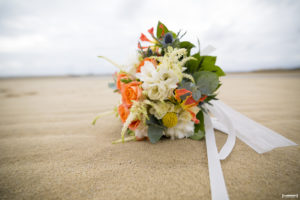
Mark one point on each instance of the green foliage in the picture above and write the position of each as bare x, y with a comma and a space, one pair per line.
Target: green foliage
199, 130
200, 63
203, 63
187, 45
155, 129
207, 82
159, 31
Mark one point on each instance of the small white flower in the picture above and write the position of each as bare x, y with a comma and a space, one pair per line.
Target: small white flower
160, 109
184, 127
181, 130
159, 83
141, 131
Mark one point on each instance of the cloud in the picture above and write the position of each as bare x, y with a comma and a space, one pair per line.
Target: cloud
65, 37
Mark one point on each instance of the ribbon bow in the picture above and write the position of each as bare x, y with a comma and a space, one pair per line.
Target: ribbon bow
233, 123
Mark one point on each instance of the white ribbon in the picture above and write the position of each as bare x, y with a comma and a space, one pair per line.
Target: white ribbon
227, 120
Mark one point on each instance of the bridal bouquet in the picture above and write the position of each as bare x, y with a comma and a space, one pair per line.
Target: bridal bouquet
163, 93
171, 92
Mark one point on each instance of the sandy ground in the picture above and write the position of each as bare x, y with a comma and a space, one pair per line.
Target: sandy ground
50, 150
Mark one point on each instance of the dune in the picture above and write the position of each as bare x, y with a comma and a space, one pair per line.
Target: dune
50, 150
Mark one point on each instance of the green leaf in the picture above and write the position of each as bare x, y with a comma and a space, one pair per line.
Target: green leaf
196, 93
219, 85
186, 85
192, 65
197, 56
153, 121
155, 129
126, 80
214, 69
196, 75
200, 126
208, 64
198, 135
208, 61
187, 45
218, 71
208, 99
199, 130
207, 82
159, 30
155, 133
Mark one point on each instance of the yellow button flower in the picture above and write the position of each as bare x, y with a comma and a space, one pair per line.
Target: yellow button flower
170, 119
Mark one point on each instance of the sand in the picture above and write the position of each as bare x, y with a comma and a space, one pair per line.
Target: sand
50, 150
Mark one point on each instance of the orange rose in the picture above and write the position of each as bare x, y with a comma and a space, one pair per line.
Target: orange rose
138, 70
134, 125
131, 91
124, 112
119, 82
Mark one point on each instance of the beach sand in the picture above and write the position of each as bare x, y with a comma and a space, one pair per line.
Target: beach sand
50, 150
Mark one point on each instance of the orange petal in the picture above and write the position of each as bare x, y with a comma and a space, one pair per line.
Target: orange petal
180, 92
134, 125
140, 46
138, 69
190, 101
202, 99
144, 38
151, 31
194, 118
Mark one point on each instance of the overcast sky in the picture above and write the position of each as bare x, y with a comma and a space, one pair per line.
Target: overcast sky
64, 37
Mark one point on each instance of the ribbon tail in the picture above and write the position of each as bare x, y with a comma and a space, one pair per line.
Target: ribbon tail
219, 126
217, 183
225, 120
255, 135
